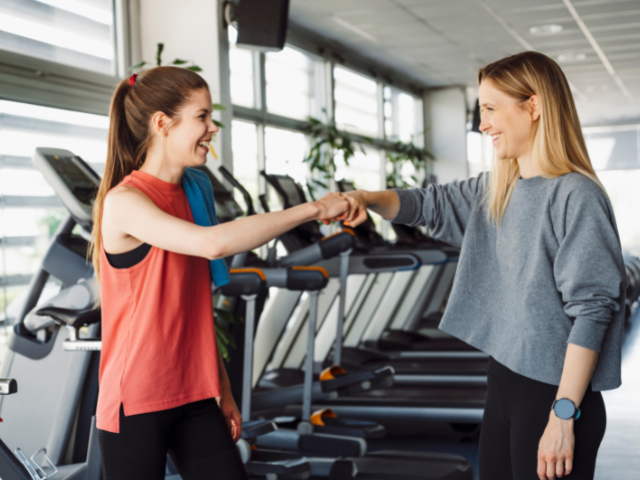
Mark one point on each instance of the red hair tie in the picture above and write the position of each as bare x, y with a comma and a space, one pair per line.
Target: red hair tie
132, 79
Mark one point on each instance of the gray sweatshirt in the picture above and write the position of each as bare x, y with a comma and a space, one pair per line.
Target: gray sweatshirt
552, 273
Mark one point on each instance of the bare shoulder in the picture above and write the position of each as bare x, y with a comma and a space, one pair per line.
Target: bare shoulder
124, 198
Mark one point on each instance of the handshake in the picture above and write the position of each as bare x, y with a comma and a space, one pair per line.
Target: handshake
350, 207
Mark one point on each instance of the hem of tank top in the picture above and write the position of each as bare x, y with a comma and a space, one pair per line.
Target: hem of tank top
132, 267
168, 404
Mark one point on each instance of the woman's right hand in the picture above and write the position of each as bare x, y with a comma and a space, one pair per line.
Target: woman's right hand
332, 207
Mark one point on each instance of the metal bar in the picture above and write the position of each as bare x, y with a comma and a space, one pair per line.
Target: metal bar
249, 323
15, 161
18, 242
344, 272
308, 374
15, 201
15, 280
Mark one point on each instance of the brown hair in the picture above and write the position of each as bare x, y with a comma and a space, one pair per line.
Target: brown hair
558, 146
160, 89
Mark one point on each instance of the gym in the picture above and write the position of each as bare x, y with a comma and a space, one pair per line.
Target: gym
340, 239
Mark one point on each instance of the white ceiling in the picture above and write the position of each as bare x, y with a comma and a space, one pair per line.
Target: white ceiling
444, 42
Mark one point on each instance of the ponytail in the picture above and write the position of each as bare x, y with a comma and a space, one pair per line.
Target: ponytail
135, 101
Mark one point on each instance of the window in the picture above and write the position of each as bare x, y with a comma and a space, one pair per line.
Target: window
289, 84
71, 32
241, 66
615, 155
479, 159
284, 152
364, 171
403, 116
29, 209
356, 102
245, 159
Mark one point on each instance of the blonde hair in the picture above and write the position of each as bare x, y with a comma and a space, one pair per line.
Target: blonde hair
558, 144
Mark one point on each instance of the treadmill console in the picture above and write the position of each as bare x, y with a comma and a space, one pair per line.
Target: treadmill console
290, 188
74, 182
345, 186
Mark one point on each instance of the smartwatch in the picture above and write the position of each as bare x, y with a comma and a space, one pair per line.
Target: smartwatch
565, 409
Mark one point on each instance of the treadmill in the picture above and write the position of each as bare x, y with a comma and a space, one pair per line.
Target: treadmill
417, 297
458, 405
370, 298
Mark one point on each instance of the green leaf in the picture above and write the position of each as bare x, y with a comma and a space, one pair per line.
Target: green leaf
138, 65
177, 61
227, 316
223, 349
217, 106
194, 68
159, 54
218, 123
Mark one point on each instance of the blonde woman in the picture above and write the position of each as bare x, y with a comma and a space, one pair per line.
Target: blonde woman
541, 279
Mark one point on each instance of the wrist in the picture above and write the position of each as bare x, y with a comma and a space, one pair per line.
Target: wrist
315, 211
566, 425
366, 198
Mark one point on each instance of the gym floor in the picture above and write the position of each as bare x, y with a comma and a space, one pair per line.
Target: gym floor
619, 455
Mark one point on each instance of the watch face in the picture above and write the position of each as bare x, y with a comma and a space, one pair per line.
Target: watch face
564, 409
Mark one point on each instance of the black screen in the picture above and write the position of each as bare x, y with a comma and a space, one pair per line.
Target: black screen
82, 187
289, 187
262, 23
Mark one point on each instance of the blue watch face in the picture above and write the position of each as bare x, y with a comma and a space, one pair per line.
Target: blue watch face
564, 409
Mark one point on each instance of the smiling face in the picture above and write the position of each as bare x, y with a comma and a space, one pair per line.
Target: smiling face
188, 137
508, 121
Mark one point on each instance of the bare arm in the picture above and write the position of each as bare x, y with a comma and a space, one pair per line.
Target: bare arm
129, 215
385, 203
227, 403
579, 365
556, 449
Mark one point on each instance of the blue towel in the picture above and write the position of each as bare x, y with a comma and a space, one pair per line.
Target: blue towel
199, 192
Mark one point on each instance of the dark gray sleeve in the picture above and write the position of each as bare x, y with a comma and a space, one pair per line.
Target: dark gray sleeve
589, 268
444, 209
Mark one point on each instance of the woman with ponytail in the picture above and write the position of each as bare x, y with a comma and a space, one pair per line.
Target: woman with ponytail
163, 386
541, 280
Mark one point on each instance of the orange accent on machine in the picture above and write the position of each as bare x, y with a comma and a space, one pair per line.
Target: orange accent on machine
319, 269
249, 270
316, 417
332, 372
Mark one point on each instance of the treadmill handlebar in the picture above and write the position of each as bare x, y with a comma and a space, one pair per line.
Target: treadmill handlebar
245, 194
244, 281
308, 279
335, 244
252, 281
329, 247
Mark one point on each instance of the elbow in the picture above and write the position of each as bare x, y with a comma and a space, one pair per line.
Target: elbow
215, 252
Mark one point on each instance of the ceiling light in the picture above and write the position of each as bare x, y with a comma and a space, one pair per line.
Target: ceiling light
571, 57
545, 29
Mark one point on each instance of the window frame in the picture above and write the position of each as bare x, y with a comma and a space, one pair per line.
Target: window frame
38, 81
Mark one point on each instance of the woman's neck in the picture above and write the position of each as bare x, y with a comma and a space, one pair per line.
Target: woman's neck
527, 167
158, 165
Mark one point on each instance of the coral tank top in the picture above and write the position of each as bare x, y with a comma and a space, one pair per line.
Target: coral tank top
158, 339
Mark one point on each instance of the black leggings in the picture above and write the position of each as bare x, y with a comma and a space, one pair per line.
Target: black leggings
195, 435
515, 417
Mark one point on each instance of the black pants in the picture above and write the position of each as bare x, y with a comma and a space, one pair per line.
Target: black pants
196, 436
515, 417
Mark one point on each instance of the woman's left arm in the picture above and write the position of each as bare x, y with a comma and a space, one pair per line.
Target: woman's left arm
589, 273
227, 403
555, 452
